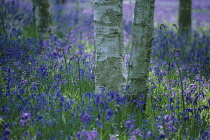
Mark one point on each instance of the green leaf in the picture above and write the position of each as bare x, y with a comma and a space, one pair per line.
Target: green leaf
64, 119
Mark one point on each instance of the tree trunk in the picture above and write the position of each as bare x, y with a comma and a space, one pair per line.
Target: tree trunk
60, 1
185, 8
42, 16
143, 28
110, 70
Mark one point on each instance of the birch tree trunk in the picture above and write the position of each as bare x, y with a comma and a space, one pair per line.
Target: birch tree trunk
143, 28
110, 67
42, 16
185, 8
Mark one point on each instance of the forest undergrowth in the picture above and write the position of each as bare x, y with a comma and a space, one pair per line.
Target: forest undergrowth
47, 85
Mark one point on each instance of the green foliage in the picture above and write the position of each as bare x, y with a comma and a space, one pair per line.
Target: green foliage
59, 100
29, 31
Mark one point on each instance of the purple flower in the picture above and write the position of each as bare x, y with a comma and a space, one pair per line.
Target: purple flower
43, 71
85, 118
162, 135
25, 118
129, 124
38, 134
186, 118
112, 96
206, 135
99, 124
87, 135
171, 100
167, 118
137, 132
7, 132
149, 134
103, 89
27, 134
205, 107
127, 88
109, 114
189, 110
113, 137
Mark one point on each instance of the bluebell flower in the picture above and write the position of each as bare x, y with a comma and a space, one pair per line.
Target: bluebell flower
189, 110
113, 96
68, 138
7, 132
27, 134
103, 89
98, 123
38, 134
130, 124
137, 132
161, 135
186, 118
205, 107
167, 118
85, 118
113, 137
148, 134
206, 135
43, 71
127, 88
52, 122
109, 114
87, 135
5, 108
25, 118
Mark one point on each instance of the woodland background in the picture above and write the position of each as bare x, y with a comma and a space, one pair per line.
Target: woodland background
47, 85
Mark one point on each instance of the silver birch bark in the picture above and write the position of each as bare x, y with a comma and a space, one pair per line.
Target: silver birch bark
42, 16
143, 28
110, 67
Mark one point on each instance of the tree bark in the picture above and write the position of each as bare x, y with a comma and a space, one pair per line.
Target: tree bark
110, 69
60, 1
42, 16
143, 28
185, 8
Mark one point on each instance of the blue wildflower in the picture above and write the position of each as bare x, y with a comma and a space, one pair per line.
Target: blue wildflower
25, 118
87, 135
109, 114
85, 118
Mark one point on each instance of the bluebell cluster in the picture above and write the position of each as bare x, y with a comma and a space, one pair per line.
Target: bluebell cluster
47, 85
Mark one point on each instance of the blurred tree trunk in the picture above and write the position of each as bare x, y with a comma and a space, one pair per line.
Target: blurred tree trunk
185, 8
42, 16
60, 1
143, 28
109, 48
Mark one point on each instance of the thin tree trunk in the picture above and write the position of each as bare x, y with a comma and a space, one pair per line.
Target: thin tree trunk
143, 28
42, 16
60, 1
185, 8
109, 49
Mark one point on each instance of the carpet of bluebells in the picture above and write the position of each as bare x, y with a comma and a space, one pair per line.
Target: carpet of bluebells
47, 85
